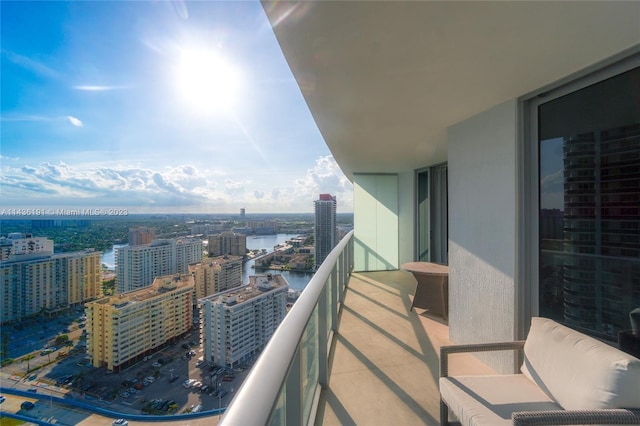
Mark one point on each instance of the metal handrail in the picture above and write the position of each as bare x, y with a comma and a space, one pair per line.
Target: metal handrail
256, 399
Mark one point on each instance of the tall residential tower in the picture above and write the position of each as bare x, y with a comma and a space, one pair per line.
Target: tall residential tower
137, 266
325, 226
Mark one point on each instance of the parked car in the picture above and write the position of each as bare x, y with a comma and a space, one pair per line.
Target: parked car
156, 364
120, 422
27, 405
2, 399
188, 383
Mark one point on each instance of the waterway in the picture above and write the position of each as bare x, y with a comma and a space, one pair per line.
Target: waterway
297, 280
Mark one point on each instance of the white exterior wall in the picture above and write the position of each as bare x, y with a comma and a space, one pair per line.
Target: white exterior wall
482, 230
234, 332
375, 220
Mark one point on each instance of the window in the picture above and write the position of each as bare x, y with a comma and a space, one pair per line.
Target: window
432, 214
588, 188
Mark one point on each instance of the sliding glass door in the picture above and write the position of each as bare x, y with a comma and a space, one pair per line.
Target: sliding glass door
588, 143
431, 215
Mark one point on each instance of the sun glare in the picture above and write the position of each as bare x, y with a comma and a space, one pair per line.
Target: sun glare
207, 81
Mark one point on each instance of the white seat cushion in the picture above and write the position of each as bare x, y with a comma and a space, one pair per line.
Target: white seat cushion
578, 371
490, 400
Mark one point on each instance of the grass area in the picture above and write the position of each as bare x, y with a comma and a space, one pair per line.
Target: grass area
6, 421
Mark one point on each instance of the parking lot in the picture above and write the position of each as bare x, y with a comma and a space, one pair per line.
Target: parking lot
155, 385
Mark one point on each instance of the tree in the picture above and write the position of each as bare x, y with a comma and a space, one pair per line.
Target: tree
28, 358
62, 339
4, 348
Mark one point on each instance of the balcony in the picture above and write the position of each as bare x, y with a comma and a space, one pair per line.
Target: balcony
365, 359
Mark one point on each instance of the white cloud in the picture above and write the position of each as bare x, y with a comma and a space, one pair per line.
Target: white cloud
75, 121
99, 88
184, 188
31, 65
5, 158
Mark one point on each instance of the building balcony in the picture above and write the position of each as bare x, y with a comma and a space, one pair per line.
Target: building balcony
384, 364
351, 351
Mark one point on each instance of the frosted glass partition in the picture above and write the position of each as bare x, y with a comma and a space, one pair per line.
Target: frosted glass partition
375, 217
284, 385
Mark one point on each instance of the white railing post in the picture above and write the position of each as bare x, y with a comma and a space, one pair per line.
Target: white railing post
336, 286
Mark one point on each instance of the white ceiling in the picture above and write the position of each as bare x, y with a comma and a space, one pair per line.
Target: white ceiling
384, 79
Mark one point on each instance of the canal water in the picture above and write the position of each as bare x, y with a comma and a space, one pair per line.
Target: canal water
297, 280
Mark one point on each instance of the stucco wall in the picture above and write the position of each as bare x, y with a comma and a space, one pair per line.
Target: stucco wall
406, 216
375, 220
482, 230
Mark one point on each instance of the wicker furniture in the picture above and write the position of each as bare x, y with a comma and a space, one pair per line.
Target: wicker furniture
567, 378
432, 290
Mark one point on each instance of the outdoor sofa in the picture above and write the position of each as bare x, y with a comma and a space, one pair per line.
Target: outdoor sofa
567, 378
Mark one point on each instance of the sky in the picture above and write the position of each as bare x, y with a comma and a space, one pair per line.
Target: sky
155, 106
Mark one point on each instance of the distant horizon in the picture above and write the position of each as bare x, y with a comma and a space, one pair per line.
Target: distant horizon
7, 216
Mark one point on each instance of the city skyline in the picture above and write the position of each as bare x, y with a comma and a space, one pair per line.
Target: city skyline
155, 107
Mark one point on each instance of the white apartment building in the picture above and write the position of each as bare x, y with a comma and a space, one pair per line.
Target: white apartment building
123, 328
215, 275
20, 244
206, 228
137, 266
46, 283
239, 322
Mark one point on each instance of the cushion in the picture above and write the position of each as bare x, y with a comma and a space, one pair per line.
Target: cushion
490, 400
578, 371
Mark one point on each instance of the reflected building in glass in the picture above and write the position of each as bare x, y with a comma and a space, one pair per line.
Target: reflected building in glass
590, 272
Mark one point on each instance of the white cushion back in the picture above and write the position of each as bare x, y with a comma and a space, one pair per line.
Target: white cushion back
578, 371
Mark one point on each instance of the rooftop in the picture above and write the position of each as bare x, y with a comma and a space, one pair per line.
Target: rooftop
160, 285
258, 285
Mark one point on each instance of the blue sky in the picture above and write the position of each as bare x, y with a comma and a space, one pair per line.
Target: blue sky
161, 106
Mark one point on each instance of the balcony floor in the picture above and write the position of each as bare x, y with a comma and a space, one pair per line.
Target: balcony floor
385, 358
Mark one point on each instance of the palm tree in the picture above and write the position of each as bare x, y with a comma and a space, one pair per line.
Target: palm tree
28, 358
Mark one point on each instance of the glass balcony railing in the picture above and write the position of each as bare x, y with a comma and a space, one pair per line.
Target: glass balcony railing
284, 385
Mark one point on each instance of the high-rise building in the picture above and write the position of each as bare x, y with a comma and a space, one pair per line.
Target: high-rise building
325, 226
595, 257
122, 329
216, 274
137, 266
206, 228
238, 323
141, 235
37, 283
227, 243
263, 227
